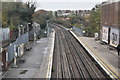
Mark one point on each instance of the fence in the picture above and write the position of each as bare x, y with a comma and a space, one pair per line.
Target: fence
11, 50
78, 30
22, 39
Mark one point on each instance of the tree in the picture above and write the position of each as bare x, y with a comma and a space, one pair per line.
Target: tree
94, 21
77, 21
41, 17
9, 12
0, 14
15, 13
56, 15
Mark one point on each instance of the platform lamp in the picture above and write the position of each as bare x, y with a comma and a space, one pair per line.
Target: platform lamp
47, 27
28, 26
20, 29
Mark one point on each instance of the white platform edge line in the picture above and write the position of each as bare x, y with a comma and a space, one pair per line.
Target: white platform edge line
49, 69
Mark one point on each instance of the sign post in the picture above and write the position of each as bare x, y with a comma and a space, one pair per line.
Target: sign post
15, 57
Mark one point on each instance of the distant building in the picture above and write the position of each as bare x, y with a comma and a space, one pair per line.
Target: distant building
4, 34
71, 12
63, 12
11, 0
110, 22
83, 13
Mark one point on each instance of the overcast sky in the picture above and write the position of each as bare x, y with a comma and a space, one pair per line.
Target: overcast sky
66, 4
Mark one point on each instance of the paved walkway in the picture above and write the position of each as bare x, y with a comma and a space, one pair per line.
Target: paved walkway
107, 58
38, 61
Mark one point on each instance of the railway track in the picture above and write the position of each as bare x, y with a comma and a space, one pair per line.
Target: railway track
71, 60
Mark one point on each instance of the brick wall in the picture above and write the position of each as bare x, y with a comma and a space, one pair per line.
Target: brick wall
109, 14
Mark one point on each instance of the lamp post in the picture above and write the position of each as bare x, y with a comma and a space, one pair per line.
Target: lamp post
47, 27
20, 30
15, 57
23, 29
34, 31
28, 27
119, 34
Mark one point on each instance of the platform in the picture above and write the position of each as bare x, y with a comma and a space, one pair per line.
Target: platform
107, 59
38, 61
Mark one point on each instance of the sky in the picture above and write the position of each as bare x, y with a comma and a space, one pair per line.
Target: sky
65, 4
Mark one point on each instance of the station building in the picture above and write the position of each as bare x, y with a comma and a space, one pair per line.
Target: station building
110, 22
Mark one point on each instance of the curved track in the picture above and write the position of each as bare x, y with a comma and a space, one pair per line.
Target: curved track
71, 60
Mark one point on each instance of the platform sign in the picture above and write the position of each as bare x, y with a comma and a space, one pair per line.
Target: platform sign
114, 37
105, 31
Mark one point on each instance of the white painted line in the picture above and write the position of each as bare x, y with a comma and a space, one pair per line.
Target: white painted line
95, 57
49, 69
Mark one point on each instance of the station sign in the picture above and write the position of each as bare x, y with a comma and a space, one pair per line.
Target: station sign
105, 32
114, 37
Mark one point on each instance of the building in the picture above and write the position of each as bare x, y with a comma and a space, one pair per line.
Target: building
4, 34
83, 13
63, 13
110, 22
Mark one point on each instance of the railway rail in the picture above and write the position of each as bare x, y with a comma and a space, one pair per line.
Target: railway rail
71, 60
